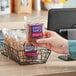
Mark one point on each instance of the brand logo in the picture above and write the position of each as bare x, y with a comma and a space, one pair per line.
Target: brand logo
37, 31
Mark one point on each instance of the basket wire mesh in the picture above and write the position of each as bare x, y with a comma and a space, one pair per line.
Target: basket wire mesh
20, 57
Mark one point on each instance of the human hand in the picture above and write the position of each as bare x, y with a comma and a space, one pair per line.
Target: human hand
54, 42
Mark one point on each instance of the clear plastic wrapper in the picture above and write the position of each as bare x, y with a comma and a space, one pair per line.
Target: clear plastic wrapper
34, 30
15, 39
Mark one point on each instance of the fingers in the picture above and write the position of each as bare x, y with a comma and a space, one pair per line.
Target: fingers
42, 45
49, 33
44, 40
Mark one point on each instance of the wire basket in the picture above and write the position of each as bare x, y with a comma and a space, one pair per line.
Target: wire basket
20, 57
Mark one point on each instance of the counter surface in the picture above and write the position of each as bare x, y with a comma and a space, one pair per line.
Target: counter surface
16, 21
54, 66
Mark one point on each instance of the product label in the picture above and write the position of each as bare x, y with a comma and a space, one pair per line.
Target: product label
37, 31
31, 54
30, 47
31, 51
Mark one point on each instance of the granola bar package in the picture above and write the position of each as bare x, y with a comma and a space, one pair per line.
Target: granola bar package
34, 32
31, 52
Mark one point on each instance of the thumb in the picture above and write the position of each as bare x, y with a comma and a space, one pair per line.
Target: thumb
44, 40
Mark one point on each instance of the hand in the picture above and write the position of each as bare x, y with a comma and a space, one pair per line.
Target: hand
54, 42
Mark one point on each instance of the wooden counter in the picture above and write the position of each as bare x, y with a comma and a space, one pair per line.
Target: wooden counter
53, 67
16, 21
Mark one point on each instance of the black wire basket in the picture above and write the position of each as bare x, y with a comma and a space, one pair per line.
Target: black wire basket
20, 57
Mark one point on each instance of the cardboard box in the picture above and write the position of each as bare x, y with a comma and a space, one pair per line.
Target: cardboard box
23, 6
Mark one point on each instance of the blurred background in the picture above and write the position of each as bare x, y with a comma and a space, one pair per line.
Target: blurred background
27, 6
